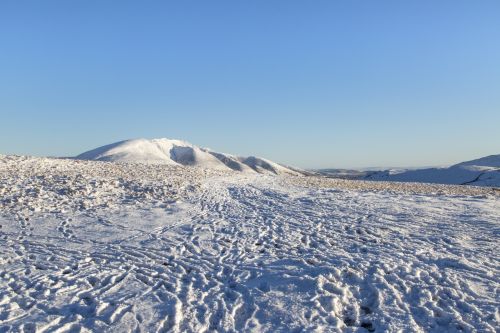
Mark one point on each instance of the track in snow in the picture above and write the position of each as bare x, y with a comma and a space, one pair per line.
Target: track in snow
240, 253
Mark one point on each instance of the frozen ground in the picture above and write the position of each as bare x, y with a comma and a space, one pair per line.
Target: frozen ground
94, 246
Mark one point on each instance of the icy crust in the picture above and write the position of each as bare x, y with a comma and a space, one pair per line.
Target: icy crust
47, 185
94, 246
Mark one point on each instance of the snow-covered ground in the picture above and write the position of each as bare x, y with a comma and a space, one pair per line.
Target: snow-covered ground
97, 246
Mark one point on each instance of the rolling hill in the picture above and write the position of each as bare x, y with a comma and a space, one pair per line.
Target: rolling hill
177, 152
484, 171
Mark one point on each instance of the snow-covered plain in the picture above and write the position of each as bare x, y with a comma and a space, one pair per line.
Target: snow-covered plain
99, 246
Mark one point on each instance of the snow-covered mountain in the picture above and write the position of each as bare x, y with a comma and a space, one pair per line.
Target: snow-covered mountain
177, 152
488, 161
480, 172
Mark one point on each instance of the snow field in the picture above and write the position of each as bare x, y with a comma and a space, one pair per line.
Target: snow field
93, 246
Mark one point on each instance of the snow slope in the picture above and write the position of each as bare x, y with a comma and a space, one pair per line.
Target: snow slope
481, 172
90, 246
177, 152
488, 161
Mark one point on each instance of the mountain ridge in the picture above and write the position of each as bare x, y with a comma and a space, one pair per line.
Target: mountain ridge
484, 171
179, 152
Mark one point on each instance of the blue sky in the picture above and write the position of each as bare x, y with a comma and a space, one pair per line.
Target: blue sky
307, 83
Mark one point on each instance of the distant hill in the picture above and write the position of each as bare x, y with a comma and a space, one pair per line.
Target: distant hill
177, 152
484, 171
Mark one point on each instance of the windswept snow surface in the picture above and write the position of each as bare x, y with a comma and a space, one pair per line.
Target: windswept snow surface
93, 246
177, 152
480, 172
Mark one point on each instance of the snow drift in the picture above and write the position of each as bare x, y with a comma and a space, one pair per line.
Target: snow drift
177, 152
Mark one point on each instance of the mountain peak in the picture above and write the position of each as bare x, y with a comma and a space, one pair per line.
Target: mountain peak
179, 152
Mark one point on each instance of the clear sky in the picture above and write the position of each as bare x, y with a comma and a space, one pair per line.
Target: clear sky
308, 83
